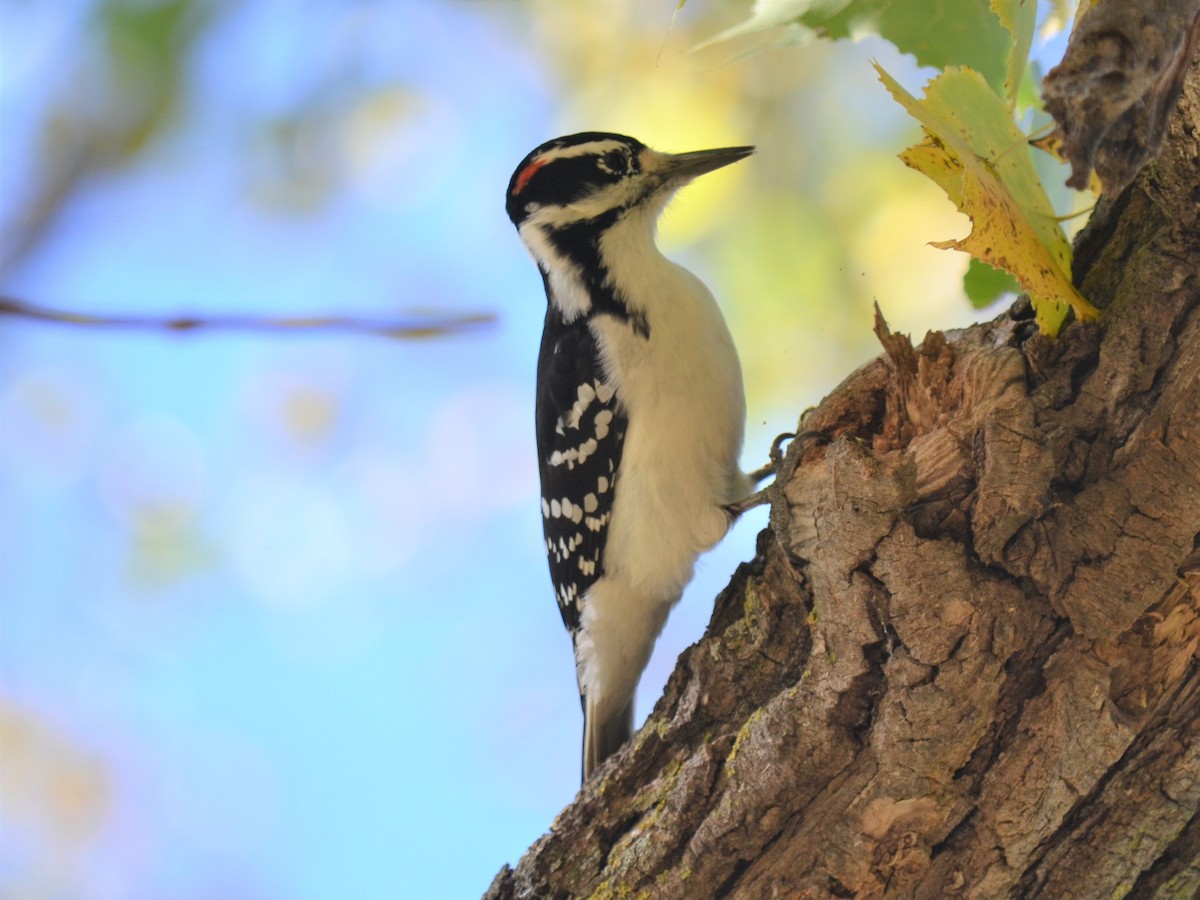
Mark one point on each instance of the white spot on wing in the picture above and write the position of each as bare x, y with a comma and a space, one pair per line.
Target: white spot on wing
603, 418
570, 419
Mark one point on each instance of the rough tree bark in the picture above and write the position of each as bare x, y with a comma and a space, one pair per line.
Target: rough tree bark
965, 659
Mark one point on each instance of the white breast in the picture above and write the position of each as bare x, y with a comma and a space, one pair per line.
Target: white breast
682, 390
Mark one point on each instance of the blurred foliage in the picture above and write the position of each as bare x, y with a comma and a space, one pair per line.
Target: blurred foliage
121, 91
54, 791
142, 68
306, 154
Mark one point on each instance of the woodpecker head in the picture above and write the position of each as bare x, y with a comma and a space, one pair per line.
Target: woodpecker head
598, 177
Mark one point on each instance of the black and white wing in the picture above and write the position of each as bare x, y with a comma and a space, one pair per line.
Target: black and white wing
580, 435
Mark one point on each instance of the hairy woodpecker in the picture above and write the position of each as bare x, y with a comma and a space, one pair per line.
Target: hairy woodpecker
640, 410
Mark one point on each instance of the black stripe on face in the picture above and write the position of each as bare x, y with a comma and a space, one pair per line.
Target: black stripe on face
547, 178
563, 181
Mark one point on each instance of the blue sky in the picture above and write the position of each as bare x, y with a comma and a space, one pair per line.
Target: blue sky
275, 620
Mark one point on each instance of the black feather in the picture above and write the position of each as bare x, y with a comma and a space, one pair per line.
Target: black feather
568, 359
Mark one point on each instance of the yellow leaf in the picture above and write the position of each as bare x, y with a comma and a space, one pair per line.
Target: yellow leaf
974, 151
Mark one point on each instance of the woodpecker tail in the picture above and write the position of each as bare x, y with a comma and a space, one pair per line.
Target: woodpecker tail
603, 737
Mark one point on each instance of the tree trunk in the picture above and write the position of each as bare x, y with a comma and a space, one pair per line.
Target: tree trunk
965, 659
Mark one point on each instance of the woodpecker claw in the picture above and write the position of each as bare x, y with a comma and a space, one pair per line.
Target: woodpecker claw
740, 507
762, 472
761, 497
775, 456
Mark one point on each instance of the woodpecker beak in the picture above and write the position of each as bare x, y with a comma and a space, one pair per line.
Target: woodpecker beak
680, 168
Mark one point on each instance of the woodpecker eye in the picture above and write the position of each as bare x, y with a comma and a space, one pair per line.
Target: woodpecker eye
614, 162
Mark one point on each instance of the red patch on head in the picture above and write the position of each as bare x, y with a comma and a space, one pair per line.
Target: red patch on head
526, 173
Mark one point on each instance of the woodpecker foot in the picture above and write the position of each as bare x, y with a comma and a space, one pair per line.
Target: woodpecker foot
761, 497
776, 457
774, 467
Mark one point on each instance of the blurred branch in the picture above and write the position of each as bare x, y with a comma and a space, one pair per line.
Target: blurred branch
411, 328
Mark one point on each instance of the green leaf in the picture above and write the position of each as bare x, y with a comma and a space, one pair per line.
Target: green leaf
1019, 18
939, 33
985, 285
